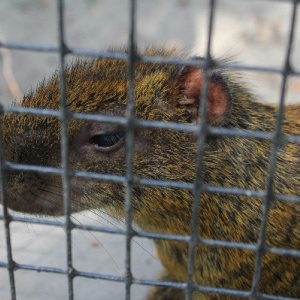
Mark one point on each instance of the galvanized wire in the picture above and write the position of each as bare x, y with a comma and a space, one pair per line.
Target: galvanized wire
7, 220
201, 135
130, 122
130, 147
65, 174
142, 58
260, 251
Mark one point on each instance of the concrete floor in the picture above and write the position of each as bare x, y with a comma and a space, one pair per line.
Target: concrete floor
41, 245
252, 31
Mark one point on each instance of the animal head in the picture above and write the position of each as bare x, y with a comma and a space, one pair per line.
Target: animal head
163, 92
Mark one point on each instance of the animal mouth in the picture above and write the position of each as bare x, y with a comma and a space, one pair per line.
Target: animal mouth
32, 193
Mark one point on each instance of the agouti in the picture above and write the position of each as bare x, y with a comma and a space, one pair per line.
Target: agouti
166, 93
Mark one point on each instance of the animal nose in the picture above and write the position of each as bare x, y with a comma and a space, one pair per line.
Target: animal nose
12, 175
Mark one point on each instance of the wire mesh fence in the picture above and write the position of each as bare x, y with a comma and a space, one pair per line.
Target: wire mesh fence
129, 180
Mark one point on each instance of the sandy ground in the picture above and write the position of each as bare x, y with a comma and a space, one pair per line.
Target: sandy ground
255, 32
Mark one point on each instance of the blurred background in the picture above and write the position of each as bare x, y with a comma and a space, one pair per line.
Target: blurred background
253, 32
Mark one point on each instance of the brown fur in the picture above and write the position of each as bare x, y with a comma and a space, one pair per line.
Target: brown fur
162, 93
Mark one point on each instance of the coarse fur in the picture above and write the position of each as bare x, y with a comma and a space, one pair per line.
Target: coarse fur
167, 93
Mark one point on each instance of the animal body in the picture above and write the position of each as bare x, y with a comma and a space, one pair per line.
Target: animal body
168, 93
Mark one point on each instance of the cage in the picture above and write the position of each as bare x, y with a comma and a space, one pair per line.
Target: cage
69, 278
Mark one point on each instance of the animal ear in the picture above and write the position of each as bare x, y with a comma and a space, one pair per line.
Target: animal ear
219, 98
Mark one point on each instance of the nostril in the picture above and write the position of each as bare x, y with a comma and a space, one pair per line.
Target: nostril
10, 175
23, 187
15, 176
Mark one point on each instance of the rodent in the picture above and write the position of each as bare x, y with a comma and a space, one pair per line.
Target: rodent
166, 92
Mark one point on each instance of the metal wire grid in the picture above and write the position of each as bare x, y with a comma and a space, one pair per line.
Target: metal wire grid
130, 123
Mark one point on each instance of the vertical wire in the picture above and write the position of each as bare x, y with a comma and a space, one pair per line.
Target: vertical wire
261, 247
200, 156
6, 220
64, 119
130, 146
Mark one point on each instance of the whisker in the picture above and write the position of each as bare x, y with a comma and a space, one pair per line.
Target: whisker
96, 211
94, 236
115, 226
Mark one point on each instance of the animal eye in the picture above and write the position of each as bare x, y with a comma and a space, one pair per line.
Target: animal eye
107, 140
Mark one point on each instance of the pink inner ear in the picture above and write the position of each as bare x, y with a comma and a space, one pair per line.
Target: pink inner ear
218, 102
192, 82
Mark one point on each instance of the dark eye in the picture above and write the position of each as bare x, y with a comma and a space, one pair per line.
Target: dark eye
107, 140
